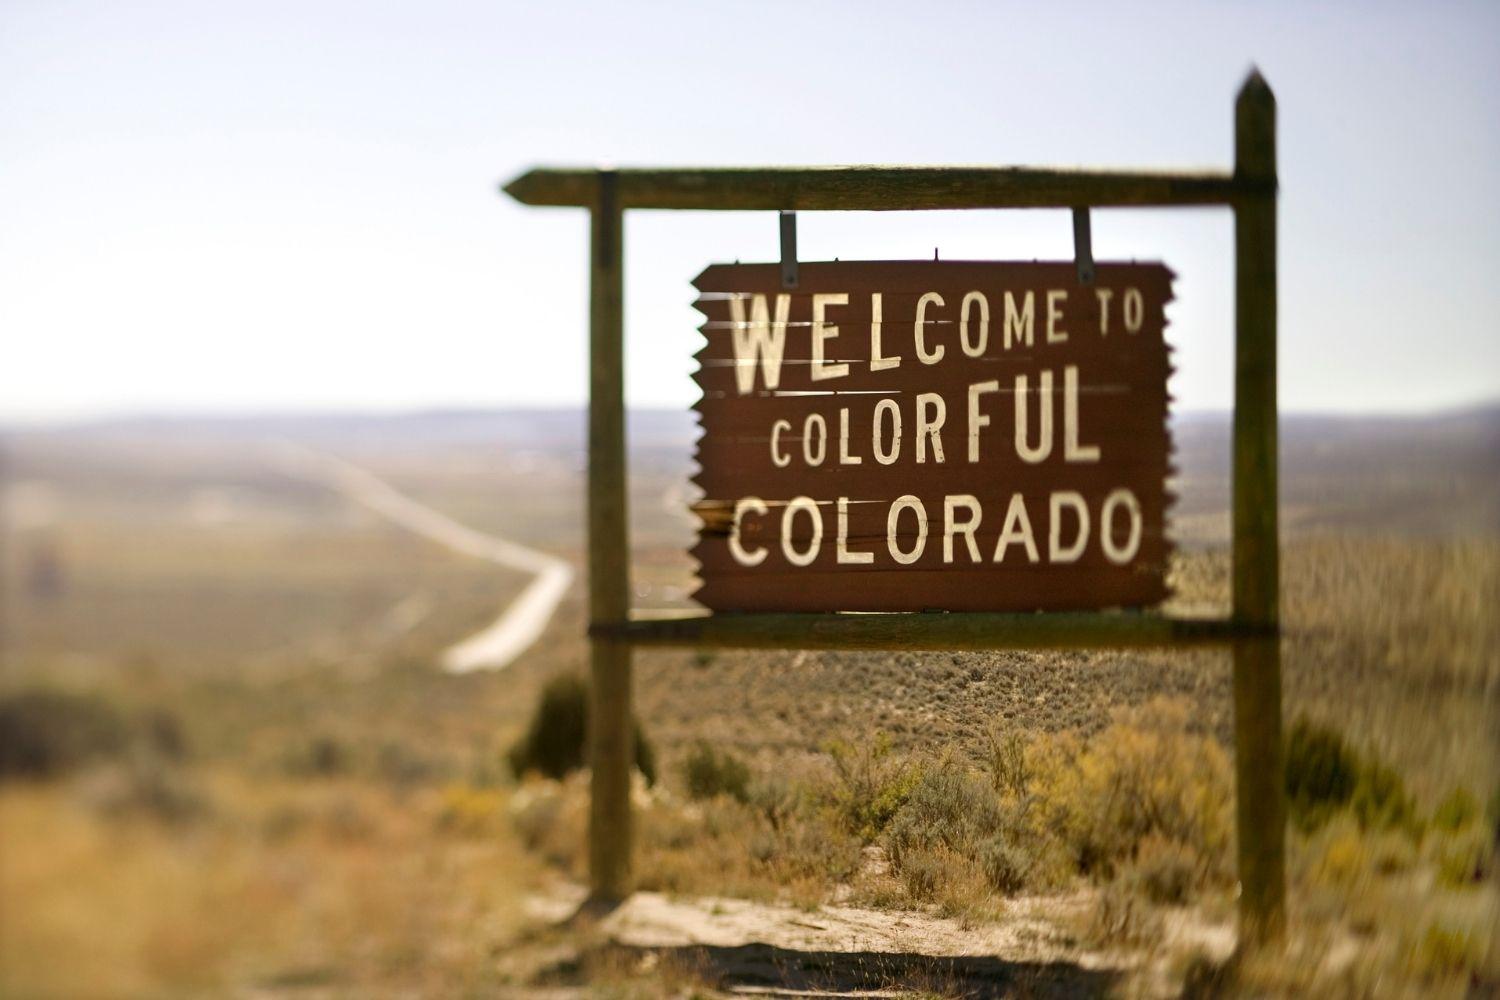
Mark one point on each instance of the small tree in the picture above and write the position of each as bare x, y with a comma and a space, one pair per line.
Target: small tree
556, 740
709, 773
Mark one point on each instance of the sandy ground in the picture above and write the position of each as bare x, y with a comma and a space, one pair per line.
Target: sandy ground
783, 950
519, 624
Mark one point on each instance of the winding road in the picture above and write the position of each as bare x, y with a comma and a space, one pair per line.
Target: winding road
519, 624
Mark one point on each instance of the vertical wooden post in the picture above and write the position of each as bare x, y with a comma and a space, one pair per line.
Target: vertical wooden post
1260, 793
611, 739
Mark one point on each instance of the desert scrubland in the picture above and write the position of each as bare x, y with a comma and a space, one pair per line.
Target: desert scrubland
230, 762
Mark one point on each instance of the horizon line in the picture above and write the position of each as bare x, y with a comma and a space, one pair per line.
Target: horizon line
11, 424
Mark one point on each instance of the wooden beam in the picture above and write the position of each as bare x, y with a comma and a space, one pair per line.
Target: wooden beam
1260, 792
611, 737
935, 631
873, 189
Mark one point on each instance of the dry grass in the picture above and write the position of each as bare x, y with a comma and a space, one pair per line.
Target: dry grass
331, 884
1383, 634
1139, 814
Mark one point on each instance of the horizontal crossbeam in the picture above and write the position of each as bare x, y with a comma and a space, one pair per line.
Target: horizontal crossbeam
874, 189
928, 631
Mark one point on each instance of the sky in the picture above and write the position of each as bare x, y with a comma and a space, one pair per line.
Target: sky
253, 207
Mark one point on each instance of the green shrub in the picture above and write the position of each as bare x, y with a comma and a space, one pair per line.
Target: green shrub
1005, 757
922, 873
645, 753
1457, 811
469, 811
1164, 871
709, 773
952, 824
1444, 951
1321, 773
946, 807
1464, 860
1148, 774
320, 756
809, 847
776, 800
44, 733
556, 739
1392, 853
1343, 853
1006, 864
869, 786
1380, 800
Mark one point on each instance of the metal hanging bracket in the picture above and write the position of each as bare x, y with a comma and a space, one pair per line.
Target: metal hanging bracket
1083, 248
788, 249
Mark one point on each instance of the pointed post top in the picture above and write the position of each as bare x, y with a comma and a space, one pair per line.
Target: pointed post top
1255, 129
566, 188
1255, 88
518, 186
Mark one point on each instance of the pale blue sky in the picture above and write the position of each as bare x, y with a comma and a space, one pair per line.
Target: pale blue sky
274, 206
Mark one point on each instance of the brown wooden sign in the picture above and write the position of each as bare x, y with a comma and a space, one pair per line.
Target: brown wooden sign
925, 435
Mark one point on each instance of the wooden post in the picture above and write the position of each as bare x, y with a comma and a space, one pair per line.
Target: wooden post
611, 739
1260, 818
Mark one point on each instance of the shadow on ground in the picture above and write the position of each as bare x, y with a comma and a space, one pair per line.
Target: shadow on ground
765, 970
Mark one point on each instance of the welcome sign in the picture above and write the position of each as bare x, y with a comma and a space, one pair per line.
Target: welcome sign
933, 435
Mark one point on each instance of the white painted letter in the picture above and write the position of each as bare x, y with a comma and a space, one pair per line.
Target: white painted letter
777, 458
736, 547
823, 331
759, 340
965, 527
1017, 529
977, 419
844, 457
845, 557
928, 428
787, 518
1022, 324
1120, 554
1054, 313
911, 503
1072, 450
984, 324
878, 362
1135, 310
931, 298
1044, 401
1105, 294
887, 408
814, 420
1056, 552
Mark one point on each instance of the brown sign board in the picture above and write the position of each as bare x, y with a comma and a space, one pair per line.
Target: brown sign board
933, 435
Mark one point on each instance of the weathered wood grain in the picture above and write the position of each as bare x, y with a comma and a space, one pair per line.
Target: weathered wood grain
611, 738
1261, 807
971, 630
876, 188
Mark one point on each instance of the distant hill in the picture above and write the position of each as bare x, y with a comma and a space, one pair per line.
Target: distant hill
1435, 474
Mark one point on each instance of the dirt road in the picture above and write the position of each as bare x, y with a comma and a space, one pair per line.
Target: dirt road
519, 624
